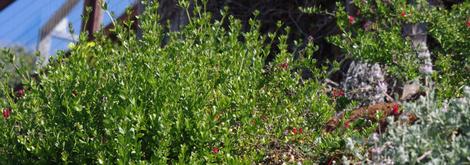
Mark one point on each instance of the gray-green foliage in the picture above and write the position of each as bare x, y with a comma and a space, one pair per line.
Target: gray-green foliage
441, 134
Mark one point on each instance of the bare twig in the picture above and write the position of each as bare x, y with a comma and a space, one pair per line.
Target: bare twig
423, 156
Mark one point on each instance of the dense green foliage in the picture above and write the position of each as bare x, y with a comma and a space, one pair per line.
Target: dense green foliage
375, 35
205, 95
452, 30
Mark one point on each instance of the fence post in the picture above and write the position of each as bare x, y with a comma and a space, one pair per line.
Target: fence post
93, 19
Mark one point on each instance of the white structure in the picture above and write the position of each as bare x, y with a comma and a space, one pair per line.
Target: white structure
56, 26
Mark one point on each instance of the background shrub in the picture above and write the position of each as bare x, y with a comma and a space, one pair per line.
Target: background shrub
14, 61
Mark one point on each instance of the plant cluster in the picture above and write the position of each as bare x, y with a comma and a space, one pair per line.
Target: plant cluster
375, 34
207, 95
204, 97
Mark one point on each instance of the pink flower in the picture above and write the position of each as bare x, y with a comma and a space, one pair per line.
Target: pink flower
215, 150
6, 113
395, 109
351, 19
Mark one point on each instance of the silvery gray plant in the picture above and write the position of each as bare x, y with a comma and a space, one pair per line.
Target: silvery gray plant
365, 83
441, 135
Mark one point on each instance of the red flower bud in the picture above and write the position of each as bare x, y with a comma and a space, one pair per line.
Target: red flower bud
294, 130
215, 150
403, 14
300, 131
395, 109
6, 113
351, 19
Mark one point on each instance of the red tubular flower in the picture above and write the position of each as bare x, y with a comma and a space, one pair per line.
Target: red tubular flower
294, 130
215, 150
403, 14
300, 131
351, 19
346, 124
395, 109
6, 113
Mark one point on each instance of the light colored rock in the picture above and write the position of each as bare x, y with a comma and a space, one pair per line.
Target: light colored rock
410, 90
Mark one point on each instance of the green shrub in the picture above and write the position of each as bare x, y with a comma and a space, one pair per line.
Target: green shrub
452, 30
375, 36
204, 97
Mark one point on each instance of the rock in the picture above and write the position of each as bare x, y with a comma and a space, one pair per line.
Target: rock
410, 90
